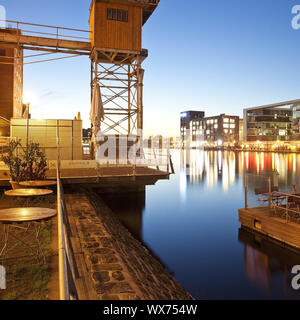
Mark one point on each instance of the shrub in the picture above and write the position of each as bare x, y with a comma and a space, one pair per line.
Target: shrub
25, 164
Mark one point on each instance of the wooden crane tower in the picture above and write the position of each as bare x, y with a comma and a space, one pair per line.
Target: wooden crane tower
116, 58
114, 44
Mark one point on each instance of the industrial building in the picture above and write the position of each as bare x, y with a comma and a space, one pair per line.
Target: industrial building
11, 84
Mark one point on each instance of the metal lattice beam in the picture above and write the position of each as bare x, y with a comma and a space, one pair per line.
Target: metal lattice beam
121, 85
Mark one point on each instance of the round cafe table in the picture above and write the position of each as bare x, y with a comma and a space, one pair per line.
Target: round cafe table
36, 184
28, 192
23, 218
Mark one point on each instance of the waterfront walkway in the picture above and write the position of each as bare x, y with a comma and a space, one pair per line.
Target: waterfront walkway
112, 264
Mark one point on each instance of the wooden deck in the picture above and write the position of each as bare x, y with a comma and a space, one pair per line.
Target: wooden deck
263, 220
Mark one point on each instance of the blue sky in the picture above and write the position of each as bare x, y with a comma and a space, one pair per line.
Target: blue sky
212, 55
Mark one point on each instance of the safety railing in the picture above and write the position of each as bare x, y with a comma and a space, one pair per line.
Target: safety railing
47, 31
285, 205
282, 204
161, 161
67, 267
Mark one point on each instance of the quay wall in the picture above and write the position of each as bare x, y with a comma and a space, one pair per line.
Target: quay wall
118, 265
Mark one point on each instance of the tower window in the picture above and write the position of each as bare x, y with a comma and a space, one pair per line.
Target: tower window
117, 15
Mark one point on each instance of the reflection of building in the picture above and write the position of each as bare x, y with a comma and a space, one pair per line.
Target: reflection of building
265, 261
11, 81
270, 123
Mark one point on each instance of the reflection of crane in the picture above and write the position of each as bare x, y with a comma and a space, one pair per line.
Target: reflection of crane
114, 44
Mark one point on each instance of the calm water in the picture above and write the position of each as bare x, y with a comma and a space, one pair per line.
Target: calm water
191, 224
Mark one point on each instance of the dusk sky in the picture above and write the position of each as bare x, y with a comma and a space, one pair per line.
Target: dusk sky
212, 55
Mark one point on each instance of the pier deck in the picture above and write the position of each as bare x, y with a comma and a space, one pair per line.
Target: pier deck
265, 221
103, 176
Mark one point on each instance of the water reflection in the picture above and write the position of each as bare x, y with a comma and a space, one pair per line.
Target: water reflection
214, 167
267, 264
191, 223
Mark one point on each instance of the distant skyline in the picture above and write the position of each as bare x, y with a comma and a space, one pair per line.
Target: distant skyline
210, 55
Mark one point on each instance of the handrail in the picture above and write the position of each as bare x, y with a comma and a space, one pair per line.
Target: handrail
285, 207
44, 30
67, 268
44, 25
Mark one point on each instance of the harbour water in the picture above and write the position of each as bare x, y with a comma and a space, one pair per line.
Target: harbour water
191, 224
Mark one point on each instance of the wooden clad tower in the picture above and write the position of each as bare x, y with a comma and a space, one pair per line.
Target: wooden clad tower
116, 58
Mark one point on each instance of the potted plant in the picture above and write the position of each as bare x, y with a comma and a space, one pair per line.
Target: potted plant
25, 164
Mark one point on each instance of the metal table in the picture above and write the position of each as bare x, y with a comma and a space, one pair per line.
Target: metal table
23, 218
28, 192
35, 184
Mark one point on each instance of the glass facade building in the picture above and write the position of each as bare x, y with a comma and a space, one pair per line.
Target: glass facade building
270, 123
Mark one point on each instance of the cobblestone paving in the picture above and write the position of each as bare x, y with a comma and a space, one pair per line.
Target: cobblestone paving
121, 268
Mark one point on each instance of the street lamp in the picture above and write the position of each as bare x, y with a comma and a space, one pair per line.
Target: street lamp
27, 124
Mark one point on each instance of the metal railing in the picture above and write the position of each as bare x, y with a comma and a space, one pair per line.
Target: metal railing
283, 204
290, 210
67, 267
48, 31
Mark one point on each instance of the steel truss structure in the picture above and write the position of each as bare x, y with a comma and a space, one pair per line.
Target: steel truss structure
120, 77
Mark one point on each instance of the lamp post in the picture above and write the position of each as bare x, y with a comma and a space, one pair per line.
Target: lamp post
27, 124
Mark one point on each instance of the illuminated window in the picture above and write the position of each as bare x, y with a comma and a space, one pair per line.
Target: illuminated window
225, 130
216, 126
226, 125
225, 120
232, 126
232, 120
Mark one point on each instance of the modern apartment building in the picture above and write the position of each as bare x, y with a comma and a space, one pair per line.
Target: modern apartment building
274, 122
186, 118
221, 130
213, 131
